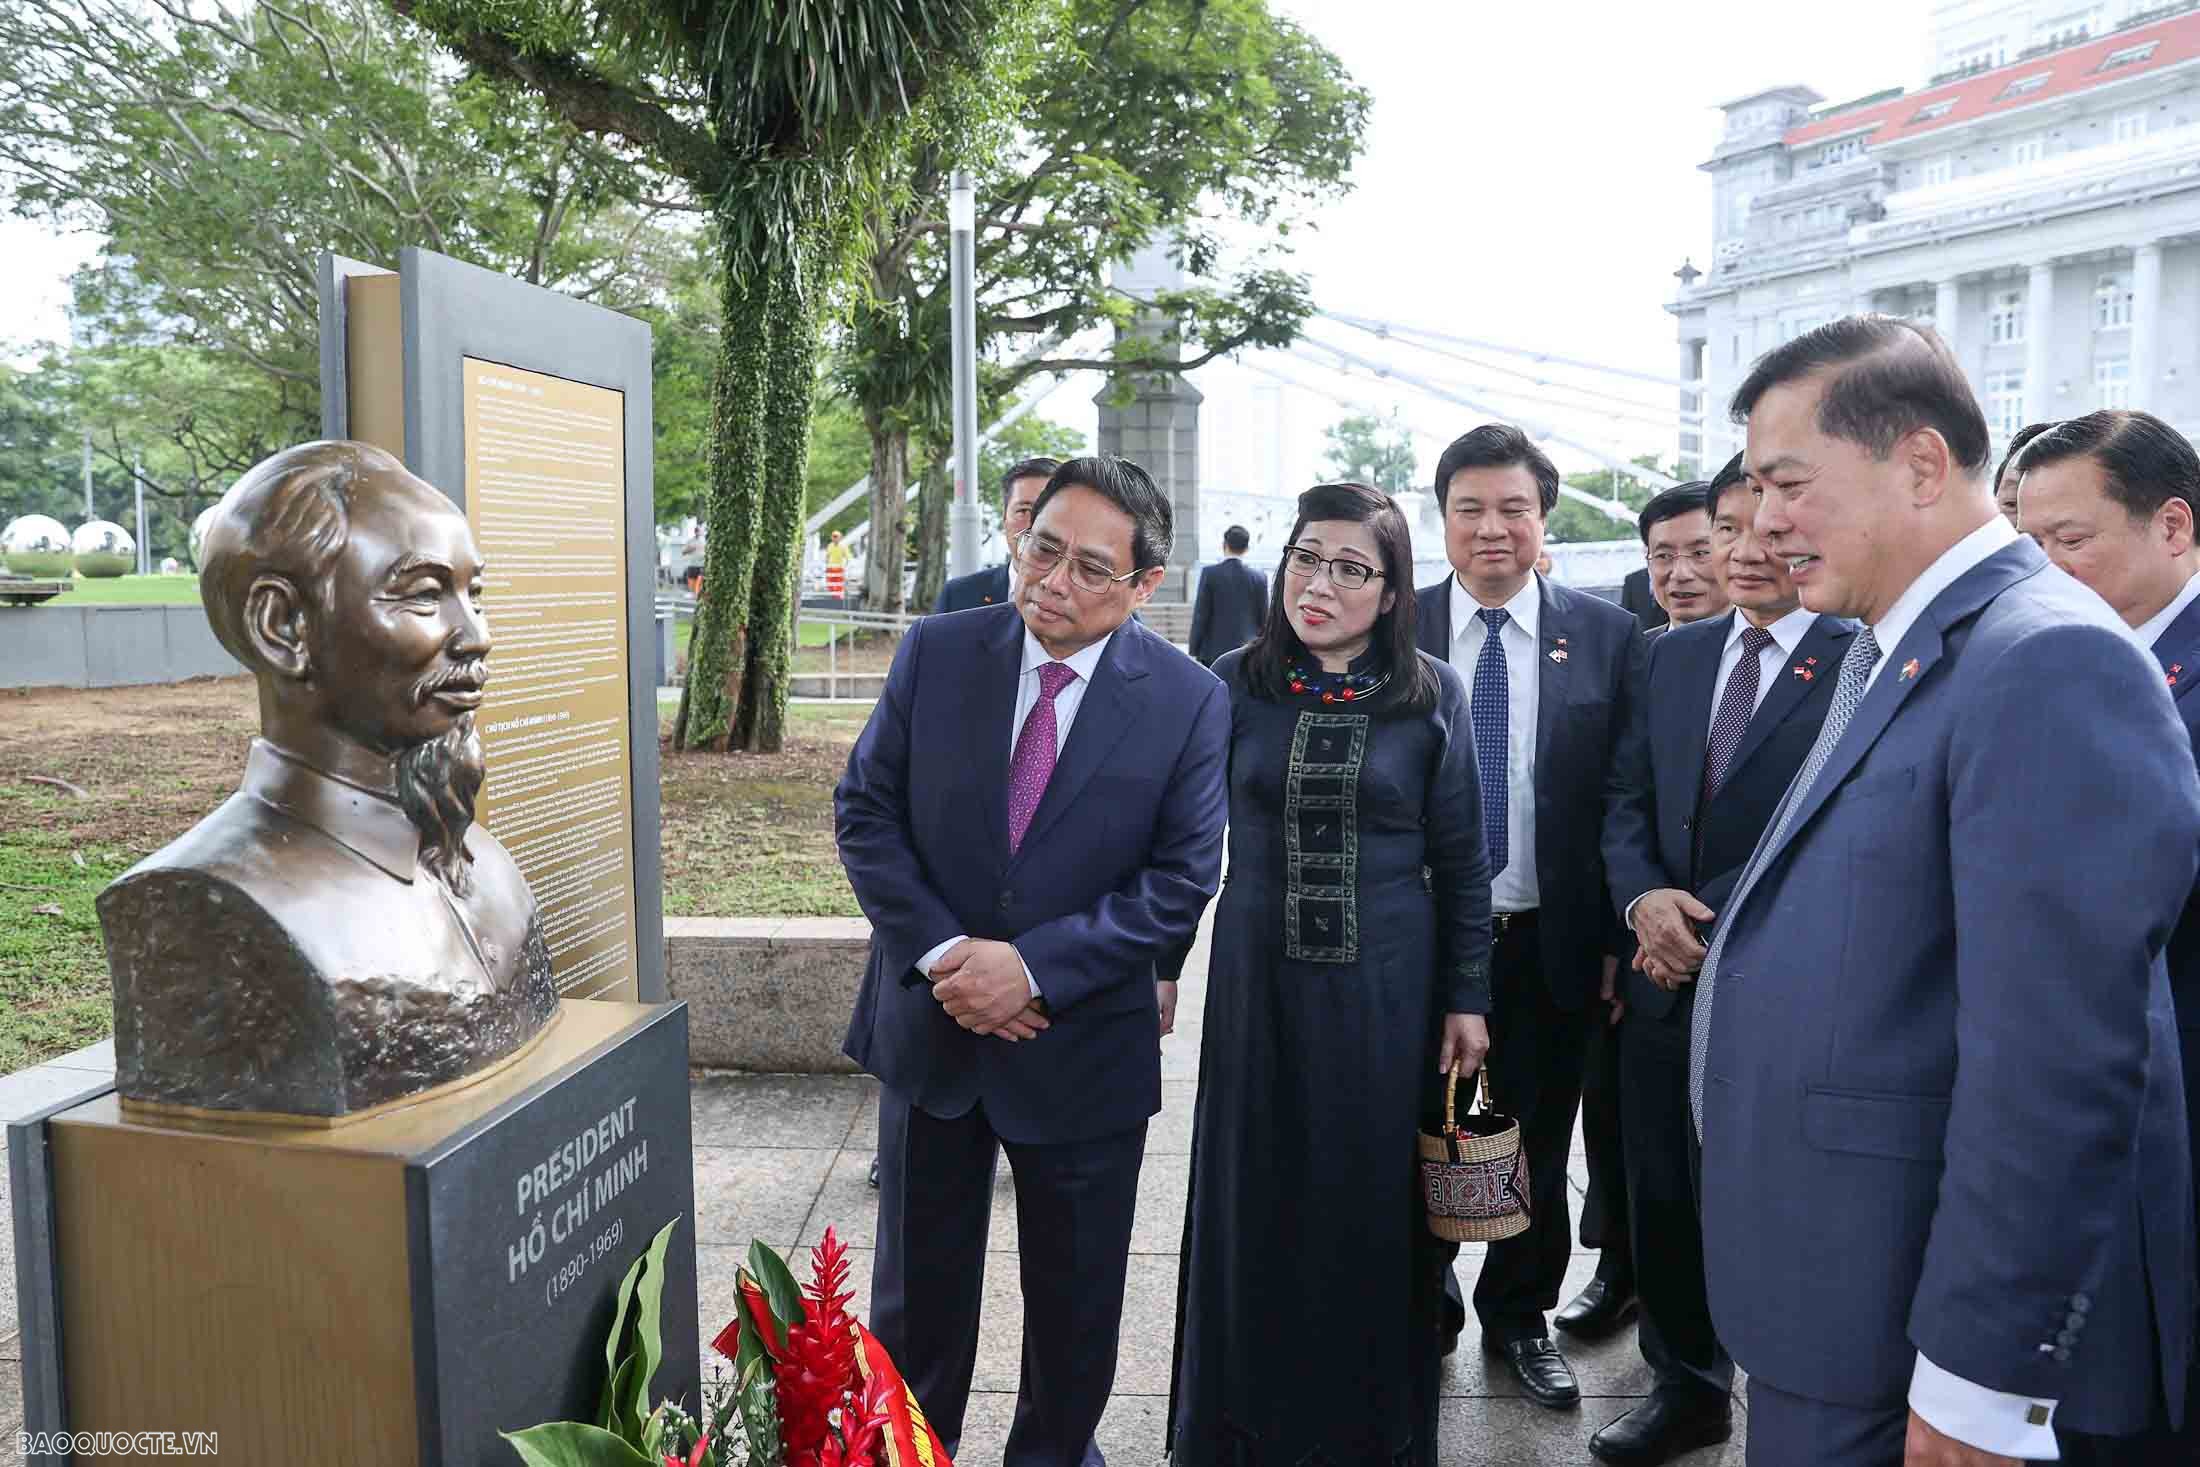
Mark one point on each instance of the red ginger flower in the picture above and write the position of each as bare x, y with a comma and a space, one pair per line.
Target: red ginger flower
816, 1370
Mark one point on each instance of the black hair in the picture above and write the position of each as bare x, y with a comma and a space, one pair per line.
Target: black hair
1236, 540
1041, 467
1496, 446
1671, 504
2145, 461
1269, 657
1886, 378
1130, 489
2023, 436
1726, 478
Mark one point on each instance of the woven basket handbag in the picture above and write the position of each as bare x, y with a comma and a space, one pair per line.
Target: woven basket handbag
1474, 1176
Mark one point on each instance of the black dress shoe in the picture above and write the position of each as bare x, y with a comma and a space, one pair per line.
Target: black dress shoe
1542, 1371
1597, 1311
1663, 1427
874, 1171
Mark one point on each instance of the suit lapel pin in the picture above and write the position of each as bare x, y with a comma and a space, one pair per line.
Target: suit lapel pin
1909, 669
2175, 668
1802, 670
1558, 651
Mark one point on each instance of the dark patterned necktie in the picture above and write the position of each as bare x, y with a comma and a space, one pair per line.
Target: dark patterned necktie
1493, 734
1736, 706
1848, 691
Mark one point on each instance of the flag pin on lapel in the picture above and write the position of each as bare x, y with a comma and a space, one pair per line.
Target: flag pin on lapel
1803, 671
1558, 652
2175, 669
1909, 669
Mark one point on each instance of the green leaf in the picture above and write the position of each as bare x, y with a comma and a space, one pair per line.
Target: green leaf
571, 1444
614, 1345
619, 1418
780, 1290
648, 1318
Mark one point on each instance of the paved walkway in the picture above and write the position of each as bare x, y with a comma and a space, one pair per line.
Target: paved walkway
779, 1157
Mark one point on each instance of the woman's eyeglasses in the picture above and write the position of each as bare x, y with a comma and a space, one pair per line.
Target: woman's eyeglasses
1346, 575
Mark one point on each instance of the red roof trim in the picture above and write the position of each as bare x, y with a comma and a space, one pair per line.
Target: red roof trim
2072, 70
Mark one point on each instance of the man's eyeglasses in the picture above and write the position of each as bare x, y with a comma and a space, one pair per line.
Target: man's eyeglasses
1346, 575
1665, 560
1039, 557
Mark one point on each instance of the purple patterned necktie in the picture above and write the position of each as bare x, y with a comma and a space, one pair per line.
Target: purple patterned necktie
1033, 763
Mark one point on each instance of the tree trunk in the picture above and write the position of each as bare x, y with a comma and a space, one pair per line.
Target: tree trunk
889, 520
889, 516
932, 497
718, 655
790, 387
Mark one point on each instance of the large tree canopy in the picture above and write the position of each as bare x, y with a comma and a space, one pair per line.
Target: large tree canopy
1135, 120
782, 115
220, 148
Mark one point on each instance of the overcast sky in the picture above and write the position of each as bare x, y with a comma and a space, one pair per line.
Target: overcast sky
1530, 178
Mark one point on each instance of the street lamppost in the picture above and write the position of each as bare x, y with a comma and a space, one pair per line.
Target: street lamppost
962, 223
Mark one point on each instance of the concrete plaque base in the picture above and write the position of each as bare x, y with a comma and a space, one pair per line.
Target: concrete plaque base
395, 1291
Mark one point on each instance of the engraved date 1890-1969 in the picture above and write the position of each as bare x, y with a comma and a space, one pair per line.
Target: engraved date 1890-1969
571, 1271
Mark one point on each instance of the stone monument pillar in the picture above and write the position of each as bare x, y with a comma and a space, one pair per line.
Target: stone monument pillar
1153, 419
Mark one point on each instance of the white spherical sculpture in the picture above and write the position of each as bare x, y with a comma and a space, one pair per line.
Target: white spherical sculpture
35, 545
103, 549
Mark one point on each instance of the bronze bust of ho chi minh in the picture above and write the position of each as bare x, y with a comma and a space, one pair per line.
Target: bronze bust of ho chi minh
339, 934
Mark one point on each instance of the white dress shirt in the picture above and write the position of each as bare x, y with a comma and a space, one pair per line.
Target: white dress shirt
1066, 703
1514, 889
2150, 631
1955, 562
1787, 635
1991, 1420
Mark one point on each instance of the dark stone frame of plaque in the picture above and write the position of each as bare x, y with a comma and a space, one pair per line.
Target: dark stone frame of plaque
458, 1219
451, 311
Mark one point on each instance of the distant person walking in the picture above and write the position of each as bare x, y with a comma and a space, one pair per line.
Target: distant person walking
1232, 601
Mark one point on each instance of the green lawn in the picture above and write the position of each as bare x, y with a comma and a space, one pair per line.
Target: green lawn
54, 994
132, 591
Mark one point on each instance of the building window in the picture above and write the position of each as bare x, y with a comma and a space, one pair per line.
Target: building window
2112, 381
2131, 125
2023, 86
2129, 56
1841, 150
2005, 322
2005, 402
2112, 301
2027, 150
1937, 171
2073, 25
1932, 110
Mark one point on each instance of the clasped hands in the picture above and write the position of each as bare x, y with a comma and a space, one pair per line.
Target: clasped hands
983, 987
1666, 922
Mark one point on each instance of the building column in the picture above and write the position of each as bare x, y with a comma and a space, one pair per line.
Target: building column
1947, 306
2146, 330
2039, 356
1694, 367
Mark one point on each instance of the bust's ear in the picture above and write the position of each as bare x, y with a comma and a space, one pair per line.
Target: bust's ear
275, 625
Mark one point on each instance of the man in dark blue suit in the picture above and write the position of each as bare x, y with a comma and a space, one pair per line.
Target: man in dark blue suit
1231, 603
2112, 498
1032, 820
1021, 487
1551, 675
1946, 1185
1735, 702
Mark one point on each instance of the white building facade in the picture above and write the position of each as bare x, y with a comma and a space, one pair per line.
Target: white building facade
2040, 208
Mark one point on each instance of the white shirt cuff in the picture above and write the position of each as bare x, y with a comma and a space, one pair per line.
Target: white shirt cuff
1991, 1420
1627, 918
925, 963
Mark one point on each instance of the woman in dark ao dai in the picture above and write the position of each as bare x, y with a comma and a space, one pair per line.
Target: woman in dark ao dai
1350, 970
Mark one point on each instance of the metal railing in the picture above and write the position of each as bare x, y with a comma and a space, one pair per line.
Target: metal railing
849, 625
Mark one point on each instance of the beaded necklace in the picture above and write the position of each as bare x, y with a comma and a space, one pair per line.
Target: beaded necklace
1338, 687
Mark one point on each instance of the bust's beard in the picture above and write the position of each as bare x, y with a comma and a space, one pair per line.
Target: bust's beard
436, 785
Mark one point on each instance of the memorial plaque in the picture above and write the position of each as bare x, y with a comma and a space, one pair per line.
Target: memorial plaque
545, 477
